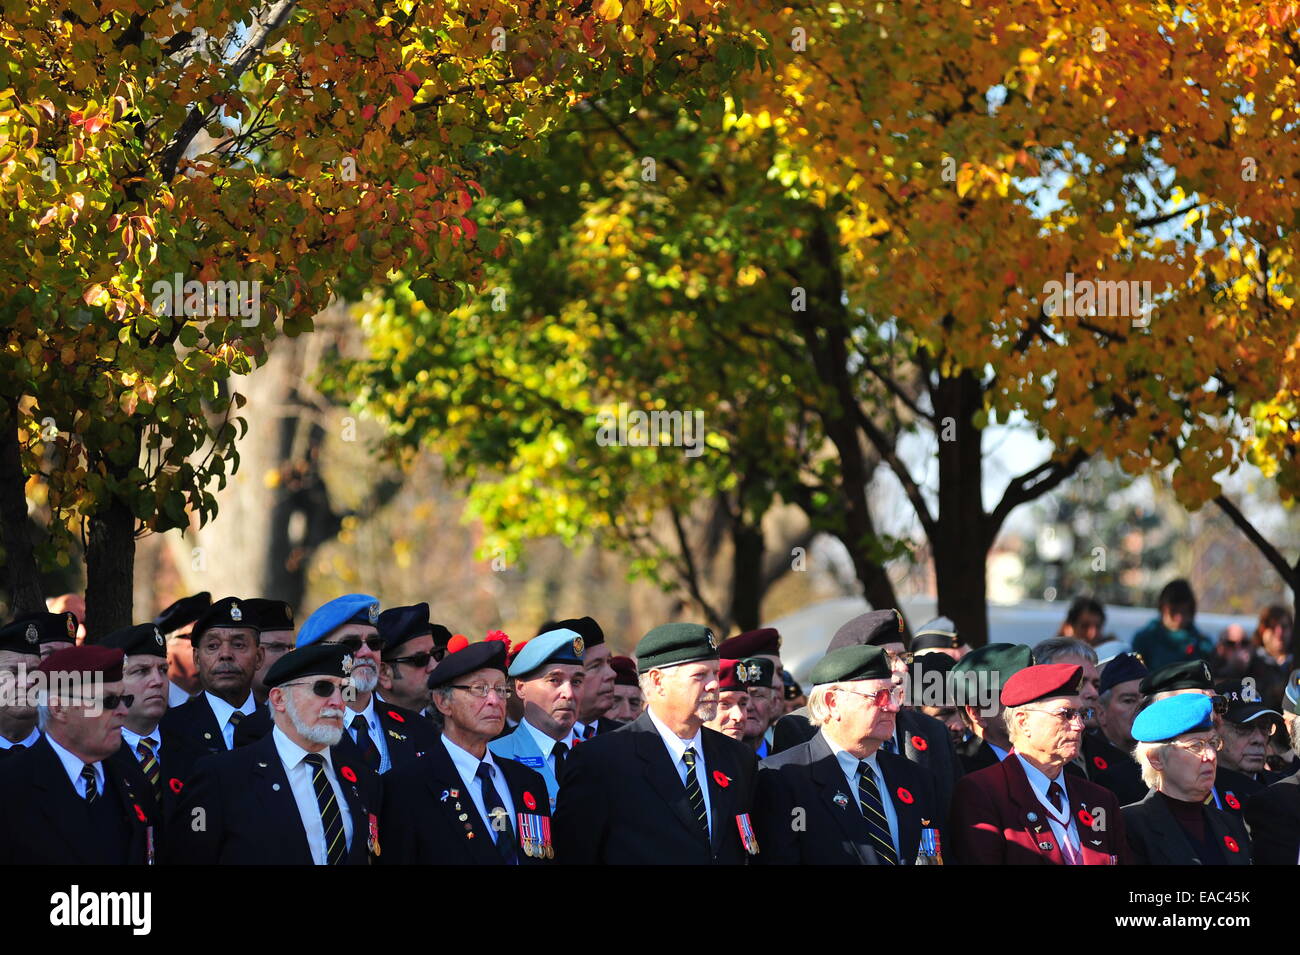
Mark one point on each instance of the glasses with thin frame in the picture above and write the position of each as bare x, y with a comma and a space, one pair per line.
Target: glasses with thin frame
481, 690
1200, 748
1069, 714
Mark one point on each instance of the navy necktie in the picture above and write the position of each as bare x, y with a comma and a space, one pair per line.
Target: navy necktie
496, 809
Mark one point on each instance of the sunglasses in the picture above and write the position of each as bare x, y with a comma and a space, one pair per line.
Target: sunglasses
353, 644
322, 688
420, 659
111, 700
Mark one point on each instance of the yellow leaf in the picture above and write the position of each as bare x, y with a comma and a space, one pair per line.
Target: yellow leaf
609, 9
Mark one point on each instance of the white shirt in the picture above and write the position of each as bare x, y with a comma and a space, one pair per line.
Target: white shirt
676, 748
849, 767
132, 740
376, 730
222, 710
546, 744
73, 765
29, 742
1061, 820
466, 764
300, 773
175, 695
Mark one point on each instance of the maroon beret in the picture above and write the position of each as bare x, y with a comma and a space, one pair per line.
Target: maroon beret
624, 671
1042, 681
86, 659
727, 679
751, 643
872, 629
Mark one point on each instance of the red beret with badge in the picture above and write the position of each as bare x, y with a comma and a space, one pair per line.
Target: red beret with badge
1042, 682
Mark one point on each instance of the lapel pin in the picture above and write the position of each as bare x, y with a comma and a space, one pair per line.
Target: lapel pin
840, 800
1045, 846
1032, 817
275, 787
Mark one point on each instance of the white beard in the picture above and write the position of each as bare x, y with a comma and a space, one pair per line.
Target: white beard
365, 678
328, 735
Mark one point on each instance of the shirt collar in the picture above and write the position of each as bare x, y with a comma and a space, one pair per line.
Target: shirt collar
369, 713
676, 745
73, 764
133, 738
848, 762
1040, 783
222, 710
291, 754
998, 751
466, 763
544, 742
29, 742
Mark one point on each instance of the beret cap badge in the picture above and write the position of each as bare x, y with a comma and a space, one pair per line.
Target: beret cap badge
235, 613
157, 636
72, 624
30, 634
373, 613
347, 664
713, 642
578, 646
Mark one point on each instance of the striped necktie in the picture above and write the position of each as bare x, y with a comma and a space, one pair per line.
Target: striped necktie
90, 783
693, 792
336, 846
149, 765
873, 811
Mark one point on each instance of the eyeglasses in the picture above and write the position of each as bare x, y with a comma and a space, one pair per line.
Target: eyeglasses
1200, 748
481, 690
892, 694
899, 659
1069, 714
420, 659
322, 688
353, 644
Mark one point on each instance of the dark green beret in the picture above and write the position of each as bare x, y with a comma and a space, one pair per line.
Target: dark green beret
316, 659
851, 663
145, 638
1187, 675
672, 644
992, 664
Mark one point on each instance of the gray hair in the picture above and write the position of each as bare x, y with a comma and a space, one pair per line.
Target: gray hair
442, 693
818, 711
1142, 753
1058, 648
1008, 718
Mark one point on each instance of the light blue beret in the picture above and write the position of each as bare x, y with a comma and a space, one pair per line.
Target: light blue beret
1172, 717
350, 608
554, 646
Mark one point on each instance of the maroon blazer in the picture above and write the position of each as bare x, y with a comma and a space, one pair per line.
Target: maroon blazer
991, 824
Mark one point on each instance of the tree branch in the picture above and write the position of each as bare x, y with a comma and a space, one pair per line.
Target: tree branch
1288, 573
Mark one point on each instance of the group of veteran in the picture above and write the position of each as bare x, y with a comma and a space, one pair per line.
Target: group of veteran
369, 737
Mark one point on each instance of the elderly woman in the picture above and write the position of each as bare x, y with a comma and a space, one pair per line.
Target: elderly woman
1177, 749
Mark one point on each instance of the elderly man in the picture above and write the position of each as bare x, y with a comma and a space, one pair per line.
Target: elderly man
459, 805
627, 691
737, 716
176, 623
922, 739
860, 806
977, 682
760, 702
1246, 729
20, 656
764, 644
1026, 810
412, 648
664, 789
1274, 814
1177, 746
293, 797
1107, 750
227, 654
547, 676
273, 620
65, 801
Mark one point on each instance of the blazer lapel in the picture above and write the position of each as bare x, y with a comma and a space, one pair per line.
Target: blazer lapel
523, 745
909, 817
359, 853
1027, 806
841, 801
1091, 844
270, 785
1167, 834
662, 774
63, 804
722, 815
450, 793
1218, 831
133, 803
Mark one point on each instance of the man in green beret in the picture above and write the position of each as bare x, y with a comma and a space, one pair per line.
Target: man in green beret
664, 789
977, 682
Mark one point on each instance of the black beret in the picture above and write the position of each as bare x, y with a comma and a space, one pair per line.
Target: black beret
476, 656
21, 637
400, 624
1184, 675
144, 638
226, 612
184, 611
316, 659
671, 644
870, 629
756, 671
792, 689
48, 627
851, 663
928, 680
585, 627
262, 614
1122, 668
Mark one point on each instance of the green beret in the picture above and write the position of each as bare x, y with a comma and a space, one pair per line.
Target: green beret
675, 643
993, 664
851, 663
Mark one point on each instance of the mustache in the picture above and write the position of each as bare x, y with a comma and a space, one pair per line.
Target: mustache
331, 711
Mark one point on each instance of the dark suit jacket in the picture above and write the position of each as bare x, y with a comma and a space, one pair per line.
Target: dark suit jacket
248, 813
990, 822
1239, 786
420, 824
1155, 837
925, 742
1274, 819
833, 832
1109, 766
44, 820
176, 751
622, 802
195, 725
975, 754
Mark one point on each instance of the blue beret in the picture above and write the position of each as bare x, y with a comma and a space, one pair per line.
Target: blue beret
350, 608
1122, 668
556, 646
1172, 717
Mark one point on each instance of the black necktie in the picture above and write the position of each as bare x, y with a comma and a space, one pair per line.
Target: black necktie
336, 846
693, 792
367, 745
559, 751
1057, 795
90, 782
873, 811
589, 730
496, 809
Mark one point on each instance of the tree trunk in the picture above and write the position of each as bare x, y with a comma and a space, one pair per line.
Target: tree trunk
110, 569
21, 573
962, 544
746, 573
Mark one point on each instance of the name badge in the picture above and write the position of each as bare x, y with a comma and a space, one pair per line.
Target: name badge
747, 837
533, 762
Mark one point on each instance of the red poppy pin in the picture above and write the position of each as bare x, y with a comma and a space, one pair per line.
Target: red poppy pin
721, 778
1231, 843
1085, 817
529, 801
1232, 801
396, 716
139, 813
1099, 762
1190, 650
904, 795
175, 784
919, 744
348, 774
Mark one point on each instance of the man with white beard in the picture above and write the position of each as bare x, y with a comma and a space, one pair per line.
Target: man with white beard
294, 797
